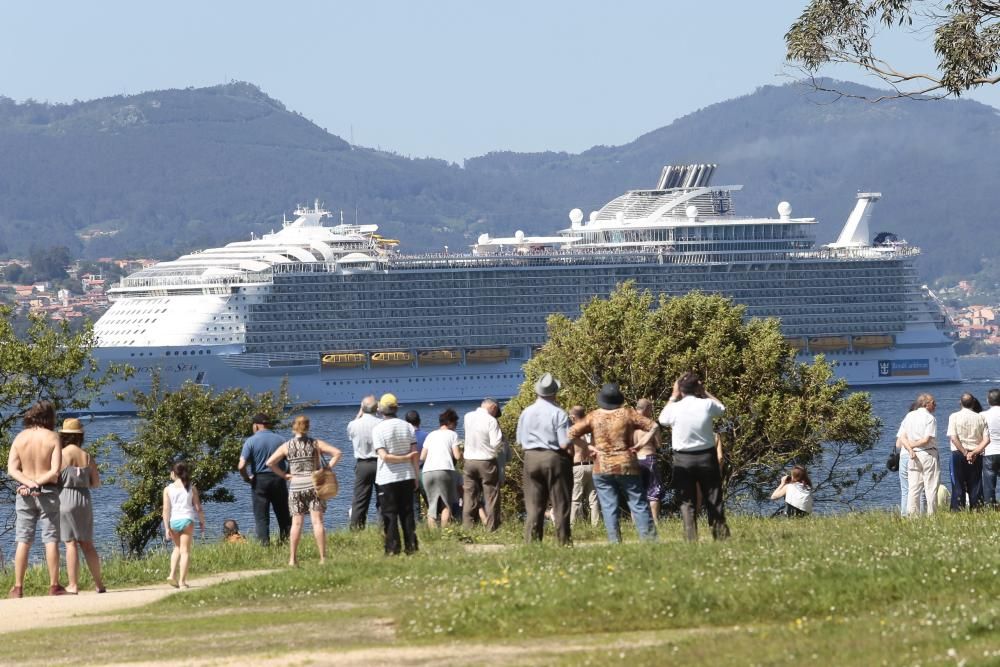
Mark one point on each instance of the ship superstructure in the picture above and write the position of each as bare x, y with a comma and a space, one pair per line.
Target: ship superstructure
341, 313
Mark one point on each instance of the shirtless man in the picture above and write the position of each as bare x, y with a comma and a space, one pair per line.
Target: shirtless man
34, 462
648, 465
583, 472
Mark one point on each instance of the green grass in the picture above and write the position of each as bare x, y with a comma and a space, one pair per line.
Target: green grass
854, 589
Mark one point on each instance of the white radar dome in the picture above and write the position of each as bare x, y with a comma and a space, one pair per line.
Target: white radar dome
484, 239
691, 211
784, 209
576, 216
593, 216
519, 236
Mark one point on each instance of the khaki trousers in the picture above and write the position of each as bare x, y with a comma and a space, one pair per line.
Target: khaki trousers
923, 475
583, 486
548, 477
481, 478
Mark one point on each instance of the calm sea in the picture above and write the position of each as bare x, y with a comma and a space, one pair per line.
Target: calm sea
890, 404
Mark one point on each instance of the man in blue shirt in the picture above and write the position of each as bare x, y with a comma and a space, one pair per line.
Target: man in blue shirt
269, 490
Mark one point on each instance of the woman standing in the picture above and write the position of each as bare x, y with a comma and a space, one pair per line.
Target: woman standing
303, 454
76, 515
180, 505
438, 457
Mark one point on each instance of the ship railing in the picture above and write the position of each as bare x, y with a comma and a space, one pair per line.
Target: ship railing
187, 281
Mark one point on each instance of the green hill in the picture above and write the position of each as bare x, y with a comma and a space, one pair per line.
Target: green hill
169, 171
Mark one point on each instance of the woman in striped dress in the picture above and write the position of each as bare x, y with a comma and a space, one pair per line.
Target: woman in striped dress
303, 455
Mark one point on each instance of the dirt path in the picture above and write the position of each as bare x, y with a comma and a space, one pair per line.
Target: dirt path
89, 607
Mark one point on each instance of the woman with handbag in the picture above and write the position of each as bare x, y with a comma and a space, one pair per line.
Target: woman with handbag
304, 455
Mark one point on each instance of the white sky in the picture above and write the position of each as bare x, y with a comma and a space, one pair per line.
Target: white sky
442, 78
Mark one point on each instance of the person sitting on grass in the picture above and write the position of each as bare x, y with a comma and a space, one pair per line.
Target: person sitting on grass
231, 532
797, 490
180, 505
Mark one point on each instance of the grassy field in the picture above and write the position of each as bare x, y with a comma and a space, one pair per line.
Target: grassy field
863, 589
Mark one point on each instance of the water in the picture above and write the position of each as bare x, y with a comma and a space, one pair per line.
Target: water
889, 403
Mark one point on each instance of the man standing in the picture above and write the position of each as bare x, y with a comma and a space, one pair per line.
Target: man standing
412, 418
365, 460
543, 433
396, 476
689, 415
483, 443
918, 434
269, 490
649, 466
968, 437
34, 462
991, 455
583, 472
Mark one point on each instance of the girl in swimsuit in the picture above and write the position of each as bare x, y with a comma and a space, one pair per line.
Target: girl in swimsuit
180, 506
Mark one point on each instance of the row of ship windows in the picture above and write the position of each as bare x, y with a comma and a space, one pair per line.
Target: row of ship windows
168, 353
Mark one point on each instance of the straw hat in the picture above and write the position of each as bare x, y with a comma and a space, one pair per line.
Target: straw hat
71, 425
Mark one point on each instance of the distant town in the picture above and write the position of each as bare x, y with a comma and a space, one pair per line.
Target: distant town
80, 295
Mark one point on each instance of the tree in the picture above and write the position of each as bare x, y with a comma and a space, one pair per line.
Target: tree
49, 361
50, 263
966, 41
777, 411
194, 424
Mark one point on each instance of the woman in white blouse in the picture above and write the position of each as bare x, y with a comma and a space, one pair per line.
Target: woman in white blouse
797, 490
438, 456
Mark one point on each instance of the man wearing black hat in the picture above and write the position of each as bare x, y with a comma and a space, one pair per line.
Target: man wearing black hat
543, 432
612, 428
269, 490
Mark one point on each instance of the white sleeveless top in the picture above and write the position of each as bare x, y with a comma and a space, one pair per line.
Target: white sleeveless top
181, 506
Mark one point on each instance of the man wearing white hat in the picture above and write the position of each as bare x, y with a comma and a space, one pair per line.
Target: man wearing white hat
543, 432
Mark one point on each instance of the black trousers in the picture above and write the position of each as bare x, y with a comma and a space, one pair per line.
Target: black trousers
701, 468
396, 508
548, 476
270, 491
364, 484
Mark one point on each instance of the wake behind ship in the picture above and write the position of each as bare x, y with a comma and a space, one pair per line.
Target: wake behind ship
341, 313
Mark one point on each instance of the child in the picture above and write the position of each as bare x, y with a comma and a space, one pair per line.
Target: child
797, 491
180, 504
231, 532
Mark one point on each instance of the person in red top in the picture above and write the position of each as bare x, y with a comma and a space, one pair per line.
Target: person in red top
617, 470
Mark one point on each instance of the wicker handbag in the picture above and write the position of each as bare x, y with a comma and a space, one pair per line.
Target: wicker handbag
324, 479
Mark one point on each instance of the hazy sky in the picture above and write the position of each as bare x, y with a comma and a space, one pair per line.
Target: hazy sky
442, 78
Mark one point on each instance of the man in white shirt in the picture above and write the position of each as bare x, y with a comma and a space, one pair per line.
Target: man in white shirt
918, 434
396, 476
483, 445
991, 454
968, 437
365, 460
689, 415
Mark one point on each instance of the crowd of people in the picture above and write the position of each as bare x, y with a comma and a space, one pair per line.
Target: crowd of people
574, 463
974, 439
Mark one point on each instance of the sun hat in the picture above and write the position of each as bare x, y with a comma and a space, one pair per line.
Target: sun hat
71, 425
547, 386
387, 402
610, 397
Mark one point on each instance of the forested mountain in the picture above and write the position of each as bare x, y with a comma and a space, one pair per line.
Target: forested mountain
169, 171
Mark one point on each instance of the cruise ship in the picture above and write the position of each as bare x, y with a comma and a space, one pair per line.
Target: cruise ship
341, 311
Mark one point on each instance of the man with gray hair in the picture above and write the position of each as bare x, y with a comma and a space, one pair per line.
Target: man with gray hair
365, 460
918, 434
543, 432
483, 446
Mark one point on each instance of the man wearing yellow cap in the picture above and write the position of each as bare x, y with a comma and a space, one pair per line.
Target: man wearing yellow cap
396, 476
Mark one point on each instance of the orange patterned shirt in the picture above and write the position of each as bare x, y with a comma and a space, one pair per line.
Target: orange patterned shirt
612, 438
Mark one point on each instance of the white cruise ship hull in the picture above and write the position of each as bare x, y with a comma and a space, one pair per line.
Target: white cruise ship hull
913, 362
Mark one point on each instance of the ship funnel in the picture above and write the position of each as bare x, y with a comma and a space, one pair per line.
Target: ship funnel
855, 232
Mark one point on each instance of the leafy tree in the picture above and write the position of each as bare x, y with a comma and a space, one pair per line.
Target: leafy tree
193, 424
47, 361
777, 411
50, 263
966, 41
